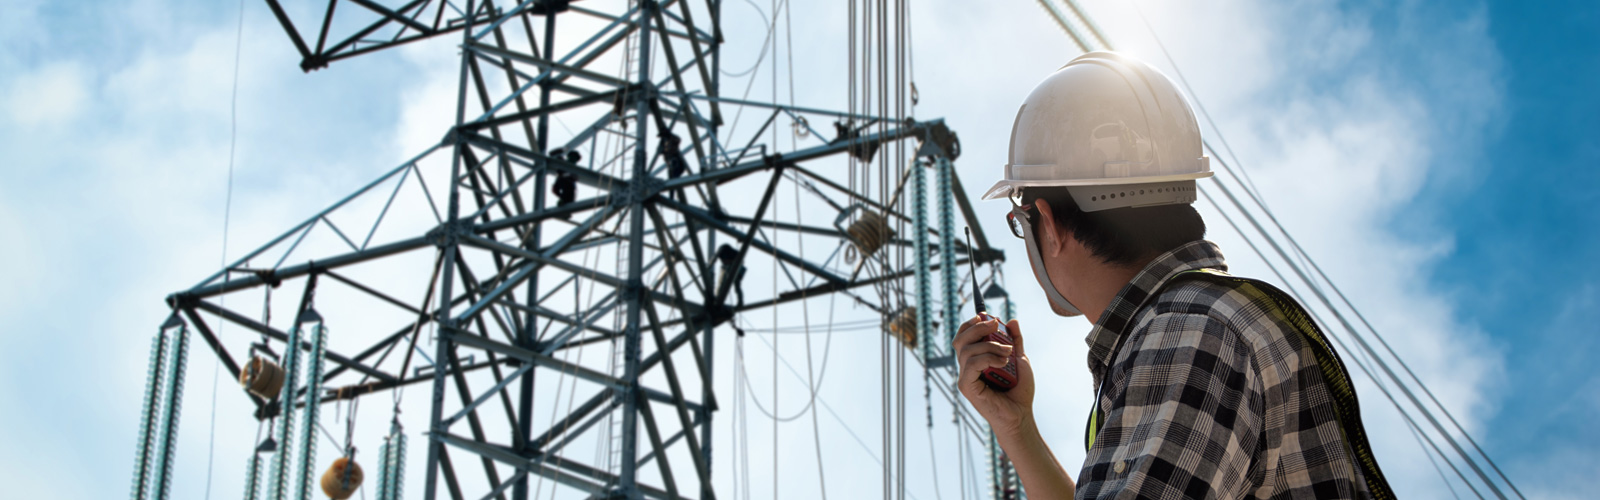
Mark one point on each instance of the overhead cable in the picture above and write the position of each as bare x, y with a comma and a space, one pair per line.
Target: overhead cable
1364, 368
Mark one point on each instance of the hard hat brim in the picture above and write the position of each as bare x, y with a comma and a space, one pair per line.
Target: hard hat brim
1004, 188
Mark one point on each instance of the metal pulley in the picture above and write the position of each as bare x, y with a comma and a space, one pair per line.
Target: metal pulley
262, 377
904, 326
802, 127
869, 232
342, 479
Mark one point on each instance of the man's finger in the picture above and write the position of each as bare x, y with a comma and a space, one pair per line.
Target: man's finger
973, 331
975, 365
969, 322
977, 349
1015, 329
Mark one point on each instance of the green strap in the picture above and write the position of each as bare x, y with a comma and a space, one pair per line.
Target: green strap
1346, 408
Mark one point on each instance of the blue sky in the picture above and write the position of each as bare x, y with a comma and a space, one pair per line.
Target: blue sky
1523, 222
1438, 158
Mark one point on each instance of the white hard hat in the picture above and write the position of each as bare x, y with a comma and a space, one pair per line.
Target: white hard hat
1113, 130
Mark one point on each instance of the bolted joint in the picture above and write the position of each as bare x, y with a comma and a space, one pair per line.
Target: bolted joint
313, 62
184, 300
452, 136
269, 277
715, 314
638, 191
548, 7
632, 289
448, 233
775, 161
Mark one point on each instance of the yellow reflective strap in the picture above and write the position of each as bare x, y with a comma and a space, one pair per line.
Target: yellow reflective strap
1346, 407
1094, 425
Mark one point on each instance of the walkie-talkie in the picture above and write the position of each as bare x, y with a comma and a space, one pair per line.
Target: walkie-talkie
998, 379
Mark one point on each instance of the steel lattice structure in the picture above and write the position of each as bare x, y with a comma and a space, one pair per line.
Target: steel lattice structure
519, 216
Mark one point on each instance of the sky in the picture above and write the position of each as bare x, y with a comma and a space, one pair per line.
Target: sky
1435, 157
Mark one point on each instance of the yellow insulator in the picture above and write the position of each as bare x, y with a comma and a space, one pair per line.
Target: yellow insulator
262, 377
335, 483
904, 326
870, 232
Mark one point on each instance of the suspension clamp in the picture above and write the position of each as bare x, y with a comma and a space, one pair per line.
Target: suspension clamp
939, 140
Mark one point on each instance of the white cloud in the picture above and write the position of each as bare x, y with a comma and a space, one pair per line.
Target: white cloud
52, 96
20, 257
1565, 473
112, 196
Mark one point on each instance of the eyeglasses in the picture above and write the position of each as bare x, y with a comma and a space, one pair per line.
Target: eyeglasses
1019, 215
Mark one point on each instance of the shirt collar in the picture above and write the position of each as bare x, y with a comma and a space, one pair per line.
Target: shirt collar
1198, 254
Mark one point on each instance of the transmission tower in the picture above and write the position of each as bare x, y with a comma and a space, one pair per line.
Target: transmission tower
518, 240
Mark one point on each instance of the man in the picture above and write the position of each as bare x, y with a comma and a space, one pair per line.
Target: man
1206, 385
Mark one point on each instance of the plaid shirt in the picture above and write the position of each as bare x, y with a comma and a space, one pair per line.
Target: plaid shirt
1210, 396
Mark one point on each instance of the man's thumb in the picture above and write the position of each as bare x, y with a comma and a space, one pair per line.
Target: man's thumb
1015, 329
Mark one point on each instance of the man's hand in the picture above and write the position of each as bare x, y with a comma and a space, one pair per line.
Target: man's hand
1010, 413
1007, 412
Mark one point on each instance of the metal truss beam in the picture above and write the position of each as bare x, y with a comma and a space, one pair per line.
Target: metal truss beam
634, 219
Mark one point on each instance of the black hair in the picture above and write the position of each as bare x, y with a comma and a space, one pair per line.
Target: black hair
1126, 236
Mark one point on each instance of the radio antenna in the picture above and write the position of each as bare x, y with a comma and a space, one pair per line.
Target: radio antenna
972, 268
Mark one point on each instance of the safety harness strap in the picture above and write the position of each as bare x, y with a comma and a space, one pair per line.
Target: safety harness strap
1346, 408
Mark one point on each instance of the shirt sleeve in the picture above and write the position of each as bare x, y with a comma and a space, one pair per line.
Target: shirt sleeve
1185, 414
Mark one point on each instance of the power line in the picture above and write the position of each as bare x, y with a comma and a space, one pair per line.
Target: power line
1356, 355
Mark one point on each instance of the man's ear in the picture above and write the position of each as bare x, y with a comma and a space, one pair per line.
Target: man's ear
1052, 239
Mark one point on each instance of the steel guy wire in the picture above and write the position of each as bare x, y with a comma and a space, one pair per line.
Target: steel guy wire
933, 461
805, 308
1361, 341
764, 42
775, 214
1250, 186
227, 212
823, 403
1356, 354
827, 348
751, 83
